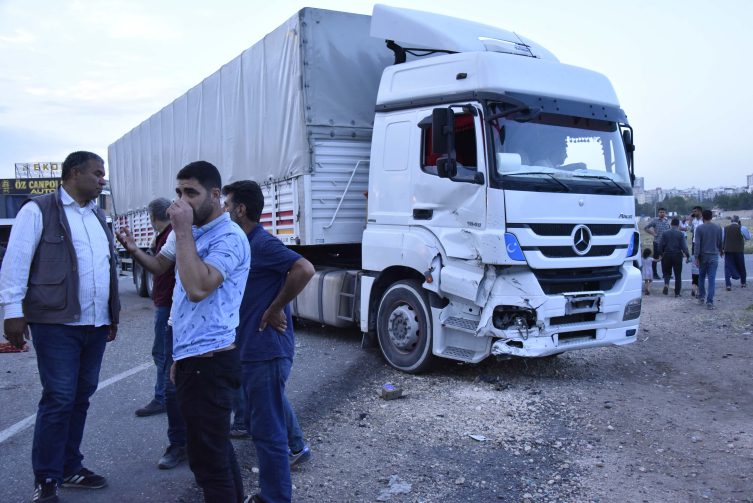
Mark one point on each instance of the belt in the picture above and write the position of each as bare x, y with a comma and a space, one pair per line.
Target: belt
211, 353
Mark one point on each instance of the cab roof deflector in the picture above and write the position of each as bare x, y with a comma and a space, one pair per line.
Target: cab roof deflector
424, 31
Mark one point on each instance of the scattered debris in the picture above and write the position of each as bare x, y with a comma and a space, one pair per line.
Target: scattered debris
391, 392
394, 486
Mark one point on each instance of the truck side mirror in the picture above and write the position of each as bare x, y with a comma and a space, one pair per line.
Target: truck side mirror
627, 139
447, 167
442, 130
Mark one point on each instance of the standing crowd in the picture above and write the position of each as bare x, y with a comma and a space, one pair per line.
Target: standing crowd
709, 243
223, 333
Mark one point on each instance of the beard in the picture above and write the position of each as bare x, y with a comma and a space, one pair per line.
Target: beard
202, 214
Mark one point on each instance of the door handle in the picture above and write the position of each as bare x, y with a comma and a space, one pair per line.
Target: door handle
423, 213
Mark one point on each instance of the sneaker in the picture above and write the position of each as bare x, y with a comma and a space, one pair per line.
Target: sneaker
46, 491
729, 288
236, 432
302, 456
710, 307
665, 290
677, 295
253, 498
656, 277
150, 409
85, 479
701, 301
174, 455
743, 285
692, 293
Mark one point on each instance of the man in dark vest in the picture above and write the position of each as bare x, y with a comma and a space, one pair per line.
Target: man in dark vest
59, 287
734, 259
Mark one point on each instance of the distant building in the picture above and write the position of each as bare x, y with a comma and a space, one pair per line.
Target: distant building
750, 183
639, 181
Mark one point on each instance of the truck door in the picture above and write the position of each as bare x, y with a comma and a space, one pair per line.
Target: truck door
451, 207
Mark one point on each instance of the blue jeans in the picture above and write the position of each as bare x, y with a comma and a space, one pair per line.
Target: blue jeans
176, 427
240, 412
161, 314
206, 388
708, 265
241, 421
270, 414
69, 359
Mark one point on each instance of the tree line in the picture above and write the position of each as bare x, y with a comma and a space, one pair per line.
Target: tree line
742, 201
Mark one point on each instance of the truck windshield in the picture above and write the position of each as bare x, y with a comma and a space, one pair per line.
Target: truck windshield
586, 155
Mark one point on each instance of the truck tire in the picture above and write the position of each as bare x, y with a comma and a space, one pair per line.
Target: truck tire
139, 279
149, 283
404, 327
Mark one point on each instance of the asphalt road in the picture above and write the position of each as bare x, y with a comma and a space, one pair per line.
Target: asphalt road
329, 367
125, 448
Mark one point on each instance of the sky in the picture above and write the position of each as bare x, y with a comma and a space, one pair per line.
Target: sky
79, 74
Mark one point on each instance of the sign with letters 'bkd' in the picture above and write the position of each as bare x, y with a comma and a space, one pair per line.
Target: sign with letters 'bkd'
28, 186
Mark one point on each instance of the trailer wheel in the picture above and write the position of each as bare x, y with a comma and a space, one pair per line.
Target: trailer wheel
149, 283
404, 327
139, 279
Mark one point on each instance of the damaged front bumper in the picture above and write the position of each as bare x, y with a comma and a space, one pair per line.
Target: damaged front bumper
524, 321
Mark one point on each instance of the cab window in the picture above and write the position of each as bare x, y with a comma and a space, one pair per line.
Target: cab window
465, 148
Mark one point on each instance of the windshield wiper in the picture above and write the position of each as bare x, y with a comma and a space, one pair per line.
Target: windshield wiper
602, 177
550, 175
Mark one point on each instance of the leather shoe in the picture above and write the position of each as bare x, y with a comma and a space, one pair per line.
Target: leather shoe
150, 409
174, 455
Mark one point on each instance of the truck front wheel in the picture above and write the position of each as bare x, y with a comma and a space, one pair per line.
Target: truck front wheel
404, 327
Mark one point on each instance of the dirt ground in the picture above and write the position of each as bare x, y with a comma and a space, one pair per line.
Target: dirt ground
668, 419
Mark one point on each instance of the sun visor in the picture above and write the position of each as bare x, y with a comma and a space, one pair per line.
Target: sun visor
417, 29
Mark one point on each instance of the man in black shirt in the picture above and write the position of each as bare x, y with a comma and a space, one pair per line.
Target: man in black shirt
672, 247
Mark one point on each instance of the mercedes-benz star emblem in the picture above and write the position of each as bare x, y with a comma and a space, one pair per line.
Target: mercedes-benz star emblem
581, 239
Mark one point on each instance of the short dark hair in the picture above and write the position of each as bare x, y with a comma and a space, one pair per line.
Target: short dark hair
697, 208
158, 209
204, 172
662, 209
675, 221
707, 215
248, 193
76, 159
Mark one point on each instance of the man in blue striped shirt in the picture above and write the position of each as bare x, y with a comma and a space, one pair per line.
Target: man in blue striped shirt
212, 258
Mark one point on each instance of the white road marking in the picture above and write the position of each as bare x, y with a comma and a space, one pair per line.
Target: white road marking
29, 421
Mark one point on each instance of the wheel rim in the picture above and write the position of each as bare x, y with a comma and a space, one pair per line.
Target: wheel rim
403, 328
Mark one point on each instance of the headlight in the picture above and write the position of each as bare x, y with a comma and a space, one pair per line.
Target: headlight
632, 310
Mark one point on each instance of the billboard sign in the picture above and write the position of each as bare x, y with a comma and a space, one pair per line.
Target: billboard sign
28, 186
38, 169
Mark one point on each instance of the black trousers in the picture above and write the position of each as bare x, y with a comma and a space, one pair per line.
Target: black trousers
656, 256
206, 388
672, 262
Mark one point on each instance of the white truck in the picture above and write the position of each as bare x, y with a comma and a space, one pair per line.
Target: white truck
461, 192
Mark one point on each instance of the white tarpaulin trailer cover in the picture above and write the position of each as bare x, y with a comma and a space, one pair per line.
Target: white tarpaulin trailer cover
316, 76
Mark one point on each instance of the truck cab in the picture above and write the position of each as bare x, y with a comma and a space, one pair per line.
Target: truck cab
500, 217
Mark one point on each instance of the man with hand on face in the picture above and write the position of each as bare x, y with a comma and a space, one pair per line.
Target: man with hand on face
211, 256
60, 283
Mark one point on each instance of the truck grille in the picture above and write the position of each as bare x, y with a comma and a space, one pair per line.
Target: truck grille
555, 281
567, 229
568, 252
